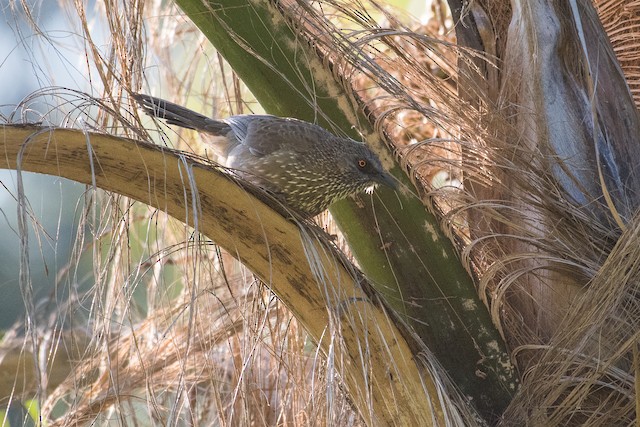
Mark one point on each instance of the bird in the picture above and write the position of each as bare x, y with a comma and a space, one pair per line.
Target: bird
304, 164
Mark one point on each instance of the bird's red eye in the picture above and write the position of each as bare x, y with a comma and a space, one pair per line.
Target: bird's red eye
362, 163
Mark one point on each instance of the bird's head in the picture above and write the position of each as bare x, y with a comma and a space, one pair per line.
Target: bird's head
363, 167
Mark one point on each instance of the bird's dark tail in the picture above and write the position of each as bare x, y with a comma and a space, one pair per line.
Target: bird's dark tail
176, 115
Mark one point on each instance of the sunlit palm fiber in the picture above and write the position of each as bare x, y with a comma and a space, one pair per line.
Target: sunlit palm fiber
621, 21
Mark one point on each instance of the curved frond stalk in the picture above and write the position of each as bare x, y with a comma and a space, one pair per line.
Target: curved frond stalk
372, 355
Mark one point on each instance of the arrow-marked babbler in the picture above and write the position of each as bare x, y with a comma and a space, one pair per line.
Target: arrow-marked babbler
308, 166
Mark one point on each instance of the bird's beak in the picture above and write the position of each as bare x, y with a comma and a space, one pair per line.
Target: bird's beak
387, 179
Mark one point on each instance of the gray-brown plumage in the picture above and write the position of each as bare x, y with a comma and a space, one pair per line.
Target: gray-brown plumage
308, 166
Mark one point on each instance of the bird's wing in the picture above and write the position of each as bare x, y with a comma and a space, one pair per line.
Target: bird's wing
264, 134
245, 125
